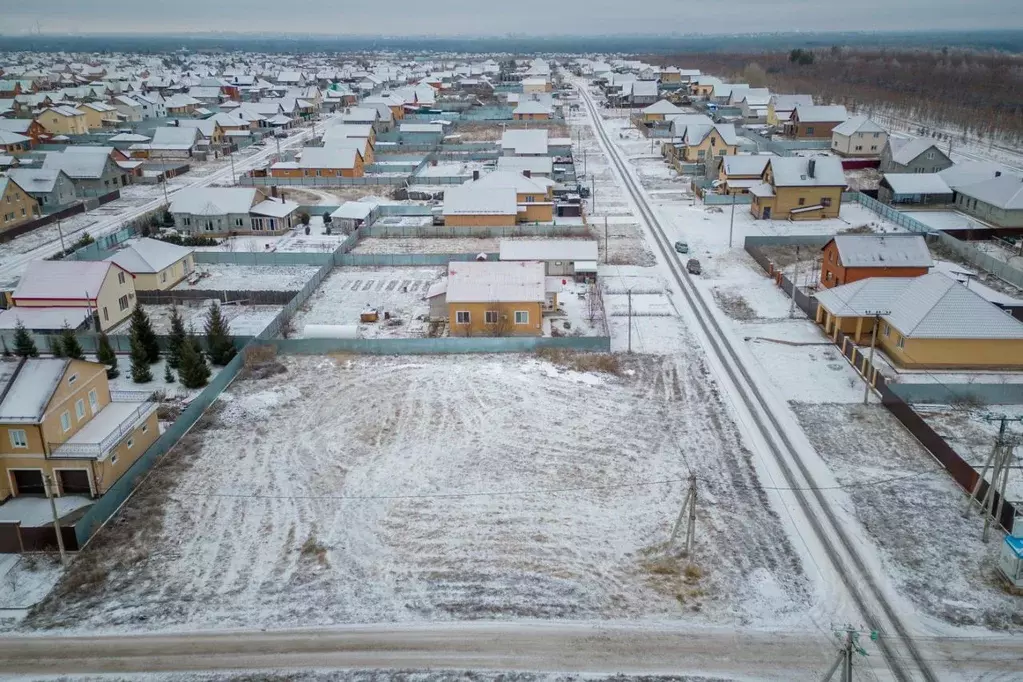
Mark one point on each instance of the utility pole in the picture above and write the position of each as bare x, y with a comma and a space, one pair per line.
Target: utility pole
688, 512
869, 370
50, 492
630, 320
593, 195
233, 177
999, 463
63, 249
606, 255
850, 645
795, 280
165, 197
731, 221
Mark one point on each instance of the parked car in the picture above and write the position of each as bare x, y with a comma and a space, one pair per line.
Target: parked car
682, 247
693, 266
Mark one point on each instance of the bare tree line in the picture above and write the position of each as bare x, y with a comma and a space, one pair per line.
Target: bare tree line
978, 94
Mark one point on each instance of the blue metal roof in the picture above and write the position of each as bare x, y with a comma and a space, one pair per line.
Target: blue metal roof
1016, 544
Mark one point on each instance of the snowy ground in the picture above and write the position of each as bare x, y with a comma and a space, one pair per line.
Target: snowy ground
346, 292
246, 320
580, 311
324, 495
173, 390
382, 675
227, 277
450, 169
656, 327
25, 579
294, 241
427, 245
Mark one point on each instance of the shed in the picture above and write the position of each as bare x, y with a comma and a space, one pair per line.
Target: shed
914, 188
1010, 560
560, 256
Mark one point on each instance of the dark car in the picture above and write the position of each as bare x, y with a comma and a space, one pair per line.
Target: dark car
693, 266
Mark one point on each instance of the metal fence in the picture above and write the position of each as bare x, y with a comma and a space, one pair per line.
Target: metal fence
388, 180
470, 231
186, 296
441, 345
950, 394
712, 199
263, 257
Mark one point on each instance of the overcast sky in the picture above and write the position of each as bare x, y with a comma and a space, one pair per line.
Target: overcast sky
499, 17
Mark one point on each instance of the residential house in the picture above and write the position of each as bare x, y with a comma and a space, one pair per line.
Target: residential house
659, 110
753, 104
99, 115
531, 111
850, 258
701, 141
222, 211
153, 105
639, 93
63, 120
394, 103
322, 162
65, 431
780, 107
535, 166
92, 170
352, 215
815, 122
536, 84
14, 143
130, 109
525, 142
212, 132
99, 287
919, 155
799, 188
156, 265
914, 188
52, 190
180, 104
929, 322
737, 173
16, 205
998, 201
858, 136
534, 196
561, 257
28, 127
170, 142
492, 298
471, 206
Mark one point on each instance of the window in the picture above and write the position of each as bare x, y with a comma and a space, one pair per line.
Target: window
257, 224
490, 317
65, 421
462, 317
873, 147
239, 222
521, 317
106, 314
887, 330
122, 303
825, 201
163, 276
72, 379
877, 135
530, 198
901, 343
145, 428
859, 147
93, 400
113, 459
187, 222
930, 155
79, 409
828, 277
701, 154
19, 439
802, 201
713, 142
120, 278
130, 443
809, 130
23, 212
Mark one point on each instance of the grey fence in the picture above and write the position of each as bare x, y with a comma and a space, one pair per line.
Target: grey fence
263, 257
950, 394
469, 231
283, 319
405, 259
712, 199
225, 296
387, 180
787, 240
441, 345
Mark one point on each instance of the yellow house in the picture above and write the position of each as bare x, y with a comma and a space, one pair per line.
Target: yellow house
738, 173
63, 120
322, 162
780, 107
534, 196
16, 205
99, 115
931, 321
701, 142
659, 110
101, 287
493, 298
156, 265
64, 432
798, 188
470, 206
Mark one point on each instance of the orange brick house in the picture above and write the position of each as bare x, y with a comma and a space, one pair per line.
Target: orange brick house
850, 258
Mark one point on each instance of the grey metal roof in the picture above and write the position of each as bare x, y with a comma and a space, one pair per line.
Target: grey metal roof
821, 114
917, 183
904, 151
795, 171
870, 250
1004, 192
858, 124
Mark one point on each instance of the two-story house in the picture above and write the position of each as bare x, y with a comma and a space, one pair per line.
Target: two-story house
156, 265
16, 205
919, 155
799, 188
53, 190
859, 136
79, 288
534, 196
848, 258
815, 122
63, 120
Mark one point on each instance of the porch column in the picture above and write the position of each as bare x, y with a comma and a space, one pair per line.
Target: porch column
859, 329
819, 315
834, 331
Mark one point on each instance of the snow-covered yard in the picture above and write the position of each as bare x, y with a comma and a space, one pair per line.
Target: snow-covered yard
427, 245
171, 390
228, 277
437, 488
346, 292
244, 320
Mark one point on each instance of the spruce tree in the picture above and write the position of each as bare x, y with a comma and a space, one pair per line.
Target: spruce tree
168, 374
140, 373
105, 354
55, 345
178, 336
219, 344
69, 343
142, 328
194, 372
24, 344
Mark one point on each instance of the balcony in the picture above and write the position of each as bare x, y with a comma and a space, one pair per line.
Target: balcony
105, 430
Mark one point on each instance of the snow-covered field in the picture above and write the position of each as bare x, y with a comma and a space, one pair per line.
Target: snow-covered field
437, 488
244, 320
427, 245
228, 277
346, 292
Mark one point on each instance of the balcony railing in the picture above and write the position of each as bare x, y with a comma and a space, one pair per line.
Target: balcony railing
127, 425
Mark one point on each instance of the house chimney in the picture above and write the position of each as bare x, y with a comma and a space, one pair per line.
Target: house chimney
811, 167
528, 173
475, 175
998, 174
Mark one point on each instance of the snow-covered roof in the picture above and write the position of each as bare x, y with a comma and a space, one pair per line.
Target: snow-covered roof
149, 256
525, 141
538, 165
496, 282
354, 210
35, 180
906, 151
213, 201
530, 107
933, 306
816, 171
821, 113
470, 199
970, 172
81, 163
28, 389
745, 164
7, 137
662, 107
548, 249
857, 124
360, 115
274, 208
917, 183
1005, 192
62, 280
519, 182
869, 250
44, 319
175, 136
327, 157
421, 128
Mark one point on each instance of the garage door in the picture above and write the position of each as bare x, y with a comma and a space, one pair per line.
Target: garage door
29, 481
74, 482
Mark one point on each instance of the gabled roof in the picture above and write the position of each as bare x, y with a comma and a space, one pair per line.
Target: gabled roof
36, 180
78, 164
496, 282
517, 181
526, 141
916, 183
821, 114
213, 201
904, 151
662, 107
967, 173
531, 107
274, 208
62, 280
1005, 192
470, 199
7, 137
798, 171
175, 136
745, 164
933, 306
27, 387
893, 251
548, 249
858, 124
149, 256
538, 165
327, 157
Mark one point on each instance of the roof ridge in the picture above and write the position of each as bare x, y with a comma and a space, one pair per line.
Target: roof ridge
949, 287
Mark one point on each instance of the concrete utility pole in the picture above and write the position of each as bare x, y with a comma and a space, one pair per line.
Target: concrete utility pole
233, 176
51, 493
850, 645
795, 281
63, 248
688, 512
999, 463
606, 256
869, 370
731, 220
630, 320
593, 196
165, 197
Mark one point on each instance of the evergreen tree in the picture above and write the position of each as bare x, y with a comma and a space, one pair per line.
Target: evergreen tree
219, 344
140, 373
106, 355
177, 338
24, 344
55, 345
168, 374
194, 372
142, 329
69, 343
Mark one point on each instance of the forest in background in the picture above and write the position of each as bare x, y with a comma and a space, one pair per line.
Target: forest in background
978, 94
